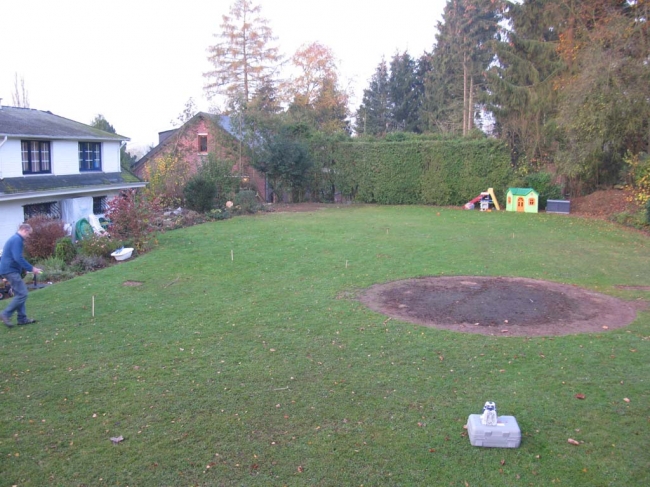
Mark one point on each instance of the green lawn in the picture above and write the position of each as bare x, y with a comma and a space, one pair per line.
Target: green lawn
244, 358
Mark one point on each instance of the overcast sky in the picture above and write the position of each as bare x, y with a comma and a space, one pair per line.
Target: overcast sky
137, 62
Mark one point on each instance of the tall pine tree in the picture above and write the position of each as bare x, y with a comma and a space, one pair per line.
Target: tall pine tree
404, 91
373, 116
461, 56
523, 97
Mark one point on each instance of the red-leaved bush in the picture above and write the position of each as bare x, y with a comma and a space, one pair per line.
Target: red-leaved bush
132, 217
46, 231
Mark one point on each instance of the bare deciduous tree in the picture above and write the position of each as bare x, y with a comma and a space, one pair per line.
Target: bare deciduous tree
244, 59
20, 97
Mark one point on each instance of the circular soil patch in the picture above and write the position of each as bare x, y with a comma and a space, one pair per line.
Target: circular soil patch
499, 305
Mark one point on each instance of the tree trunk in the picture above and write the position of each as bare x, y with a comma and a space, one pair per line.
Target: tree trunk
470, 106
464, 93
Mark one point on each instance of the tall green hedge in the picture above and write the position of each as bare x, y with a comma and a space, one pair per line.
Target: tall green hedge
435, 172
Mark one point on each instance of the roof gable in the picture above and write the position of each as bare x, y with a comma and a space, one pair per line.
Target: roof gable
29, 123
168, 136
521, 191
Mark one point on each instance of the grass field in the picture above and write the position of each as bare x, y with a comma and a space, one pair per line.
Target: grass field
244, 358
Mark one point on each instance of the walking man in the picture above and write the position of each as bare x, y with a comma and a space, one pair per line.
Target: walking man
12, 264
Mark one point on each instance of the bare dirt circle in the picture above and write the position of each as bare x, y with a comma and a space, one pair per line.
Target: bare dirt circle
512, 306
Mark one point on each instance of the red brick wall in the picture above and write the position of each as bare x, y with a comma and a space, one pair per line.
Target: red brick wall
219, 142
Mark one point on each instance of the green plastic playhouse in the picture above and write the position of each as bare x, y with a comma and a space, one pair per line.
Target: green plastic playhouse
524, 200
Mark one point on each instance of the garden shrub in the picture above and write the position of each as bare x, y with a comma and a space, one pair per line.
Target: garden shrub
54, 269
220, 173
246, 201
190, 218
542, 183
46, 232
630, 219
132, 217
98, 246
65, 249
218, 214
639, 176
87, 263
200, 193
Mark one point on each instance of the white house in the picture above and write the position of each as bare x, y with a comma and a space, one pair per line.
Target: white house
56, 166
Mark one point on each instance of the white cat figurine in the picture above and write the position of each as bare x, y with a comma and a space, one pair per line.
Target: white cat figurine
489, 416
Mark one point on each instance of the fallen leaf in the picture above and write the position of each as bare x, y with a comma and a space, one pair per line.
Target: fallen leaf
503, 461
300, 468
626, 399
432, 450
573, 442
580, 396
117, 439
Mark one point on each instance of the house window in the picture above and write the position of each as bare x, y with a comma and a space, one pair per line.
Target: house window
51, 209
99, 205
531, 201
36, 156
90, 156
203, 143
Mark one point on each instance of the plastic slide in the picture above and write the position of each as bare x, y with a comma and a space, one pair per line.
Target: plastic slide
490, 192
494, 199
470, 204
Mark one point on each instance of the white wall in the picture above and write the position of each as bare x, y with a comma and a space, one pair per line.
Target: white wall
111, 157
64, 157
72, 210
11, 165
11, 215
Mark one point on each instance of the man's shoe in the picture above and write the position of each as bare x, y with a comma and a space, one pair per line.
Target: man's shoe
6, 321
26, 322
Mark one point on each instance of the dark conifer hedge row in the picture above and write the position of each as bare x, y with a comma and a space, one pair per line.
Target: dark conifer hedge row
432, 172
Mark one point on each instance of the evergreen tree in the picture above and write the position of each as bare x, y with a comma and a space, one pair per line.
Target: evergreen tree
126, 159
604, 105
99, 122
460, 57
523, 98
373, 116
403, 90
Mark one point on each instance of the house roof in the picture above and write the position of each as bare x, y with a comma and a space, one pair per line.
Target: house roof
521, 191
167, 136
38, 186
29, 123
